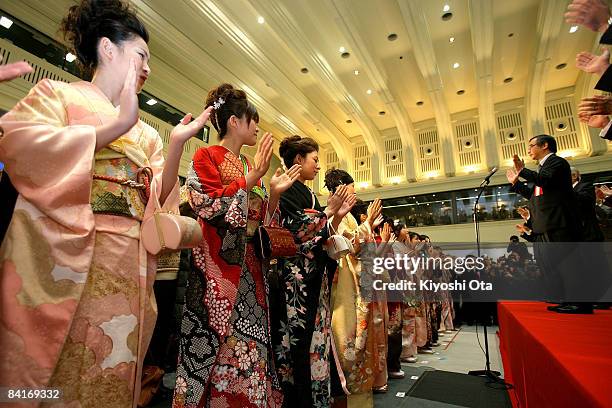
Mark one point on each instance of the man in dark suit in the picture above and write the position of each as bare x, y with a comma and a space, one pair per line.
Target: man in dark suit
552, 219
585, 198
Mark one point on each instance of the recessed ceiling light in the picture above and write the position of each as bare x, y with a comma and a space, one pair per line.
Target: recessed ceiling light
573, 29
510, 34
349, 121
70, 57
561, 66
392, 37
345, 54
356, 72
369, 92
304, 70
420, 103
456, 65
261, 20
151, 102
6, 22
446, 8
447, 16
382, 113
508, 80
460, 92
342, 49
451, 40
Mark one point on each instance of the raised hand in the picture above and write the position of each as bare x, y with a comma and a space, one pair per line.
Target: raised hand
593, 64
594, 121
523, 212
128, 99
518, 164
385, 234
14, 70
263, 155
347, 205
334, 202
592, 14
281, 181
374, 210
188, 128
512, 176
594, 106
378, 221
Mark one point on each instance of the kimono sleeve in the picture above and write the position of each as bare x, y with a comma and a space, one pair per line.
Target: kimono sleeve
309, 230
217, 204
50, 162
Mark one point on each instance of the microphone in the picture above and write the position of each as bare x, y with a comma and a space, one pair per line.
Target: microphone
491, 173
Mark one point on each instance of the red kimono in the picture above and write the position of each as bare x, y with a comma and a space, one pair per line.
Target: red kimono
225, 355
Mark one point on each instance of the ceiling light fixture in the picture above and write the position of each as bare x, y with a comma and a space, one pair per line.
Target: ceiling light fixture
151, 102
369, 92
342, 49
304, 70
456, 65
446, 8
261, 20
6, 22
356, 72
392, 37
70, 57
573, 29
451, 40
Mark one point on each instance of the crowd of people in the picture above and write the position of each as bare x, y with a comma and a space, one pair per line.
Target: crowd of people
297, 330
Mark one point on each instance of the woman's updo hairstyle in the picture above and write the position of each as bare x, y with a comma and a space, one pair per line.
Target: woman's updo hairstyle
91, 20
334, 178
227, 101
295, 145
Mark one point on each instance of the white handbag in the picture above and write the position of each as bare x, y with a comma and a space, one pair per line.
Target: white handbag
338, 245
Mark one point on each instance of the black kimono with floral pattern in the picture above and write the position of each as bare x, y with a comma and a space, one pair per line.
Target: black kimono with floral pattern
300, 304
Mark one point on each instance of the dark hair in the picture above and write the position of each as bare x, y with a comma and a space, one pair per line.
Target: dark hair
397, 228
86, 23
548, 139
230, 102
359, 208
335, 178
295, 145
513, 238
424, 237
413, 234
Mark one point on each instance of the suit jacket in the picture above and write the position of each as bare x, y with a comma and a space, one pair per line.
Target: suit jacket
585, 198
605, 82
555, 208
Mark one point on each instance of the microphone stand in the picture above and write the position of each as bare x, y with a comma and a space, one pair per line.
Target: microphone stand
487, 372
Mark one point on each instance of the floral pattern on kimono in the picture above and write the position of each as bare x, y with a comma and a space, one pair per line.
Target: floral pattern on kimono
78, 307
301, 331
225, 353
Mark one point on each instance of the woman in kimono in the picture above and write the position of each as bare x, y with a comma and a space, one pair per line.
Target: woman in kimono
78, 306
302, 316
357, 324
225, 352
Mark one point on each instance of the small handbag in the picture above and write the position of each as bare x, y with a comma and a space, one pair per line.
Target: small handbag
166, 231
274, 242
169, 232
338, 245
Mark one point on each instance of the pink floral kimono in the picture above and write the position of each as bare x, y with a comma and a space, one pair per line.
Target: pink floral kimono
76, 284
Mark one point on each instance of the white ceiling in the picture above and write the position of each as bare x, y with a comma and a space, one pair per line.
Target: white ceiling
197, 44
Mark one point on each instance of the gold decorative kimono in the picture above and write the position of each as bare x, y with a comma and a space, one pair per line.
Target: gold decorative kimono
357, 324
76, 284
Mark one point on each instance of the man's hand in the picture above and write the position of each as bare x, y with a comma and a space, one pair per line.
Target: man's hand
512, 176
518, 164
592, 14
594, 121
593, 64
595, 105
523, 229
523, 212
